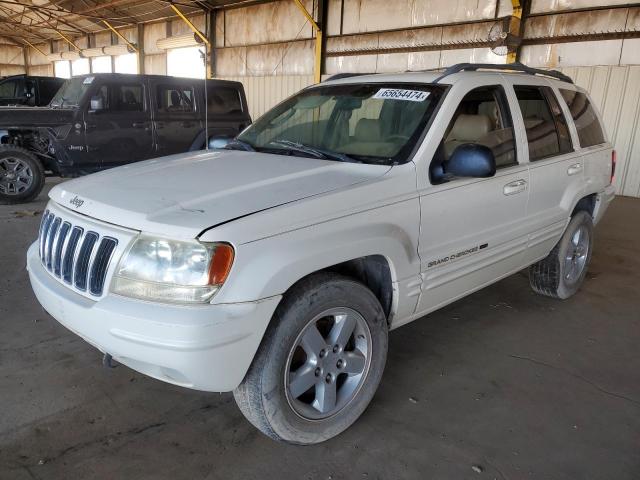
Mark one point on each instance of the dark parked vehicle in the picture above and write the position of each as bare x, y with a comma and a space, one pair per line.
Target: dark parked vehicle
27, 90
100, 121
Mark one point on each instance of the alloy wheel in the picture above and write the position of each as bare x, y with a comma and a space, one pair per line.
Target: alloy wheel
16, 176
576, 257
328, 363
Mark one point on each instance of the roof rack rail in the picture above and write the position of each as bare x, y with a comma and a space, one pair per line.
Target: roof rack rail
338, 76
514, 67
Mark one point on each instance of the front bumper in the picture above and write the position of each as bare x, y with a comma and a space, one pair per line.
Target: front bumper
204, 347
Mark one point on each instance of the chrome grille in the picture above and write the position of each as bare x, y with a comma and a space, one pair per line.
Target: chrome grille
80, 258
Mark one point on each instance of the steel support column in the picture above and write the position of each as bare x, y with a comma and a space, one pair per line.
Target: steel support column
211, 34
319, 47
141, 48
514, 28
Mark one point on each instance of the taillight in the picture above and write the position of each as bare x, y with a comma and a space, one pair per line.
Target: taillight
613, 167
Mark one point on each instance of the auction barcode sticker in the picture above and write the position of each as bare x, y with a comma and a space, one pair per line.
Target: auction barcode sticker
400, 94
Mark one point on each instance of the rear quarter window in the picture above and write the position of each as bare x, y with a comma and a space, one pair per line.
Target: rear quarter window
223, 100
590, 131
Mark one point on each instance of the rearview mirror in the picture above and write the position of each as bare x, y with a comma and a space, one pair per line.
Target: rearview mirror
471, 160
219, 143
96, 104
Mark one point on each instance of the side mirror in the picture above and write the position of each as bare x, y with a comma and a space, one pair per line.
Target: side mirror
218, 143
471, 160
96, 104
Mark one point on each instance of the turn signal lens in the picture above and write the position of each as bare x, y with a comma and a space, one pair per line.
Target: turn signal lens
220, 264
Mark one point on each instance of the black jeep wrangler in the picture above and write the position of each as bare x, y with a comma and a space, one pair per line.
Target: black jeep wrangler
28, 90
101, 121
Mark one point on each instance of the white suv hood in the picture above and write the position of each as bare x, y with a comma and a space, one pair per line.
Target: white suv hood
182, 195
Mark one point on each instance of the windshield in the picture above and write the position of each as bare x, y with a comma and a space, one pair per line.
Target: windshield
371, 123
71, 92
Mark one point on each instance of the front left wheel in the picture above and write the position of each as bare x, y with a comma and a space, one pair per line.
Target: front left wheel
320, 361
21, 175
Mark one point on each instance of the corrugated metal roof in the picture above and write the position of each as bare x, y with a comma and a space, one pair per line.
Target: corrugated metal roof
41, 20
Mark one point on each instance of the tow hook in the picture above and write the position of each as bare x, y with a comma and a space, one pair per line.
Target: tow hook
107, 361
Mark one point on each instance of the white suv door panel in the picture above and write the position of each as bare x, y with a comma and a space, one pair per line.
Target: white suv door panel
556, 182
473, 231
484, 238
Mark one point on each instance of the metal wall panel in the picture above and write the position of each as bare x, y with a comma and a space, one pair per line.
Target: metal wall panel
11, 60
291, 58
152, 33
413, 61
36, 58
541, 6
155, 64
266, 23
597, 52
616, 92
362, 16
41, 70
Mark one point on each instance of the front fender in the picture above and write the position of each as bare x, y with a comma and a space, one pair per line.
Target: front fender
270, 266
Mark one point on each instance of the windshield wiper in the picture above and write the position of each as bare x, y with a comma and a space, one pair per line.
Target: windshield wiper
239, 145
316, 152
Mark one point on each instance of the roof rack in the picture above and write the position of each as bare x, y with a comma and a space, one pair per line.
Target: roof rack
338, 76
514, 67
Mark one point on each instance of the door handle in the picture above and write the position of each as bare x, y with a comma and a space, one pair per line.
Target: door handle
514, 187
139, 124
90, 126
574, 169
187, 124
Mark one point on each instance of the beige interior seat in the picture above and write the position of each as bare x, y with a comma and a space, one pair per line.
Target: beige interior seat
367, 140
367, 130
467, 129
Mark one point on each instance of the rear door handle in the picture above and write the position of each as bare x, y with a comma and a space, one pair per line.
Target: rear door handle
187, 124
514, 187
574, 169
139, 124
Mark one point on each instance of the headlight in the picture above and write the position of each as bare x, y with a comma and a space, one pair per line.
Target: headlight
172, 271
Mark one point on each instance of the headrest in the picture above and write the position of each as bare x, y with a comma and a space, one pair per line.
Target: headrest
469, 128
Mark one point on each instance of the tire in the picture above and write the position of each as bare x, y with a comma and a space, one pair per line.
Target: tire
268, 394
562, 272
21, 175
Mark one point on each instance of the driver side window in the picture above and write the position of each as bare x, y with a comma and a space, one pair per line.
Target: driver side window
482, 118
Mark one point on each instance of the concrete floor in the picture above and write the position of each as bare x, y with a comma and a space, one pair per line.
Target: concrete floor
503, 384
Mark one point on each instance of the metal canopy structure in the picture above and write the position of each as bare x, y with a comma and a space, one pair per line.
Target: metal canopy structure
25, 22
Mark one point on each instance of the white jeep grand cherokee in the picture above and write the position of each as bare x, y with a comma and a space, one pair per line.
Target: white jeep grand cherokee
275, 267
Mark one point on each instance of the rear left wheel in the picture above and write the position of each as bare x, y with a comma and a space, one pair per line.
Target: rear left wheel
319, 363
562, 272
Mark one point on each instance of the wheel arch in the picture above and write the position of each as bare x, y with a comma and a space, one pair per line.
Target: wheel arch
373, 271
586, 204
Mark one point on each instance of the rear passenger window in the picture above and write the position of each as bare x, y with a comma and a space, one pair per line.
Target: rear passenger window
127, 98
223, 100
173, 98
483, 118
587, 123
547, 131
